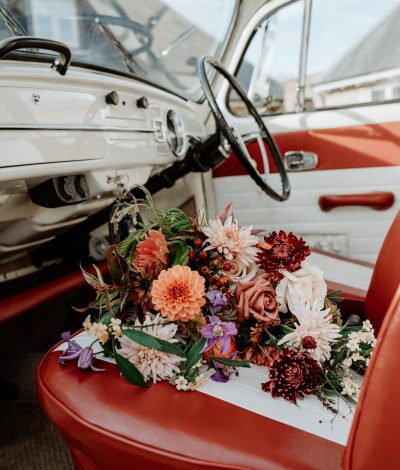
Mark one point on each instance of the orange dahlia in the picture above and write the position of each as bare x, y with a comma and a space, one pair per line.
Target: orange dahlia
151, 255
178, 293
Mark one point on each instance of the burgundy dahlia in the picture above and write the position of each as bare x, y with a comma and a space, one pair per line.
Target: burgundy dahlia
282, 251
292, 375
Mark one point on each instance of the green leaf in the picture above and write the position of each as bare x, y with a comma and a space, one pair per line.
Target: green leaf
129, 371
181, 255
146, 193
195, 353
117, 266
149, 341
229, 362
106, 318
128, 245
333, 296
92, 280
108, 349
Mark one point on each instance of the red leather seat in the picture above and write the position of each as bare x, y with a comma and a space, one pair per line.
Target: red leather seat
110, 424
385, 279
374, 437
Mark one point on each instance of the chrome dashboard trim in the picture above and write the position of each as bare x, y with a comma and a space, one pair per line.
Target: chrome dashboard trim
72, 127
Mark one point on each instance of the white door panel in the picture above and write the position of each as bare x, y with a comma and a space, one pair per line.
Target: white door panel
363, 228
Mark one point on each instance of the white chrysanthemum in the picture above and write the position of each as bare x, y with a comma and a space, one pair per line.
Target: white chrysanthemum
152, 363
231, 240
315, 323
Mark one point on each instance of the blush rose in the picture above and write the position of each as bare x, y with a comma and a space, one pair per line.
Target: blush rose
257, 299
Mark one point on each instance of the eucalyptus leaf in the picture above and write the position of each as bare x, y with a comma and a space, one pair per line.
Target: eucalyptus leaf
150, 341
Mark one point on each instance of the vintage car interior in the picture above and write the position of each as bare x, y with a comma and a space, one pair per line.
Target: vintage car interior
287, 109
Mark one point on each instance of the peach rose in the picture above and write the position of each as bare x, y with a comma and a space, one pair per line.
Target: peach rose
257, 299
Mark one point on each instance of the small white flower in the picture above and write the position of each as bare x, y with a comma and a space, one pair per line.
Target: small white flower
116, 327
101, 331
353, 344
191, 386
367, 325
348, 362
349, 387
181, 383
200, 380
357, 357
87, 323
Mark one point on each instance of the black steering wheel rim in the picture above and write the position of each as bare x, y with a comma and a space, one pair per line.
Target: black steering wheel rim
230, 136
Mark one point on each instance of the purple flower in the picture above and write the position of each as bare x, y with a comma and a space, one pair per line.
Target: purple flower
74, 351
217, 299
85, 360
223, 373
218, 330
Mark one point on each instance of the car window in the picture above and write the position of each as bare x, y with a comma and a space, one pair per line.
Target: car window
353, 53
157, 40
270, 66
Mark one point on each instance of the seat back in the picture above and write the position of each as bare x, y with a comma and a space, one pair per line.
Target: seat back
386, 277
374, 436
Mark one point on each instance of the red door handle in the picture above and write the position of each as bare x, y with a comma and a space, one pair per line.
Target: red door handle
377, 201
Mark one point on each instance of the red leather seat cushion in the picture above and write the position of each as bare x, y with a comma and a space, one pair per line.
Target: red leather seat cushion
109, 424
386, 277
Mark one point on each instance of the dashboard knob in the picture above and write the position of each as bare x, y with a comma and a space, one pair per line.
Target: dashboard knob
112, 98
142, 102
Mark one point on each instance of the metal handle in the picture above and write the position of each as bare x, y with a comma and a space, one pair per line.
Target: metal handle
299, 160
60, 63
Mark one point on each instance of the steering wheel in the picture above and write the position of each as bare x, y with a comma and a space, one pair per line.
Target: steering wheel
234, 138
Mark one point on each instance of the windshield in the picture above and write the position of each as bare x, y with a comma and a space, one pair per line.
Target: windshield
156, 40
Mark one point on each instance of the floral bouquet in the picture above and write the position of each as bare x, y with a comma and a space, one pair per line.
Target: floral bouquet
187, 300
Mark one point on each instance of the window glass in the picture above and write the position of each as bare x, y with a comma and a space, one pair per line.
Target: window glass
6, 29
354, 52
270, 66
156, 40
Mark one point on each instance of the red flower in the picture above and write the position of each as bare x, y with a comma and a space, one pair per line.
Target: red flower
309, 342
282, 251
292, 375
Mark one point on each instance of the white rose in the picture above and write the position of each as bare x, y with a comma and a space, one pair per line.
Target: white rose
305, 285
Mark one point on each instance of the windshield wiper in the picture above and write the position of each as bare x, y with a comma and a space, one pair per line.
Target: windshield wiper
177, 41
12, 23
128, 58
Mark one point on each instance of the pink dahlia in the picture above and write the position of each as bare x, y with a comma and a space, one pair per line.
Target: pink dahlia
152, 363
231, 241
178, 293
151, 255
